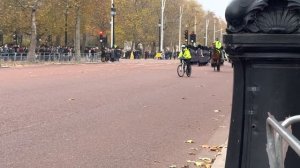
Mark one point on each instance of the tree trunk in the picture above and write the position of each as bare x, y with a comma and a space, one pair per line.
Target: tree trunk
77, 36
32, 48
83, 44
58, 40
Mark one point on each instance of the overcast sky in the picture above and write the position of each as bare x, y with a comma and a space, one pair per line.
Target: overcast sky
217, 6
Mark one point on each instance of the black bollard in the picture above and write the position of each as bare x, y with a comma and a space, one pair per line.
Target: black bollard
263, 41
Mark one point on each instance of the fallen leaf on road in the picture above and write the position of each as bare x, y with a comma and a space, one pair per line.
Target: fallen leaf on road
208, 165
215, 148
199, 164
71, 99
191, 153
205, 146
172, 166
217, 111
195, 149
207, 160
189, 141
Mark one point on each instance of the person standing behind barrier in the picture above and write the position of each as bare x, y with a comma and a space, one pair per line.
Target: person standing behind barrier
146, 54
5, 48
93, 51
185, 55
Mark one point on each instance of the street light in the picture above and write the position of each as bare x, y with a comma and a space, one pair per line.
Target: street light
66, 12
206, 31
66, 27
159, 35
180, 24
113, 14
15, 38
163, 4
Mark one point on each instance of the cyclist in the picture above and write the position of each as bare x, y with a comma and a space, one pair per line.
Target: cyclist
185, 55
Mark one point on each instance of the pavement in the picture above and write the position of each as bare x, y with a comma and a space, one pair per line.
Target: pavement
221, 135
220, 161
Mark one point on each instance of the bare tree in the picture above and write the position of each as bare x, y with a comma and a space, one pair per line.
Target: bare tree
33, 6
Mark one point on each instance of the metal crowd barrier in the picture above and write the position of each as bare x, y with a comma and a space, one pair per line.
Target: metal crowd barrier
276, 133
13, 56
50, 57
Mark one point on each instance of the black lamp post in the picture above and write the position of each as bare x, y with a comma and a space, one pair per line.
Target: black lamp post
159, 35
113, 14
66, 27
66, 12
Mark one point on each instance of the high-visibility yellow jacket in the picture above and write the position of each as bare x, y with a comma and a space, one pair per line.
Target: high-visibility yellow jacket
186, 54
218, 44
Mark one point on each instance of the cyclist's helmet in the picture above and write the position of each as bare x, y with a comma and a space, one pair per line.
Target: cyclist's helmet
183, 46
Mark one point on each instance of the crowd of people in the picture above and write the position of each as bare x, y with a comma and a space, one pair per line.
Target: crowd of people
93, 53
11, 49
51, 52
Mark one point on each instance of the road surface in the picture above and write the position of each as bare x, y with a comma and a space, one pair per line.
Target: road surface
127, 114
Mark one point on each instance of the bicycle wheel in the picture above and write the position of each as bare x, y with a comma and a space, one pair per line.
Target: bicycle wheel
180, 70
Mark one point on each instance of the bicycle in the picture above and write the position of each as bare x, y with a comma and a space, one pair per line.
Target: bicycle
182, 69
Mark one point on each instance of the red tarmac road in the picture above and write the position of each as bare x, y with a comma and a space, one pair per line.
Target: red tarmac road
128, 114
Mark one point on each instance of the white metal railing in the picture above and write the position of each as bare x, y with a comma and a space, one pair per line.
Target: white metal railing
277, 135
52, 57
